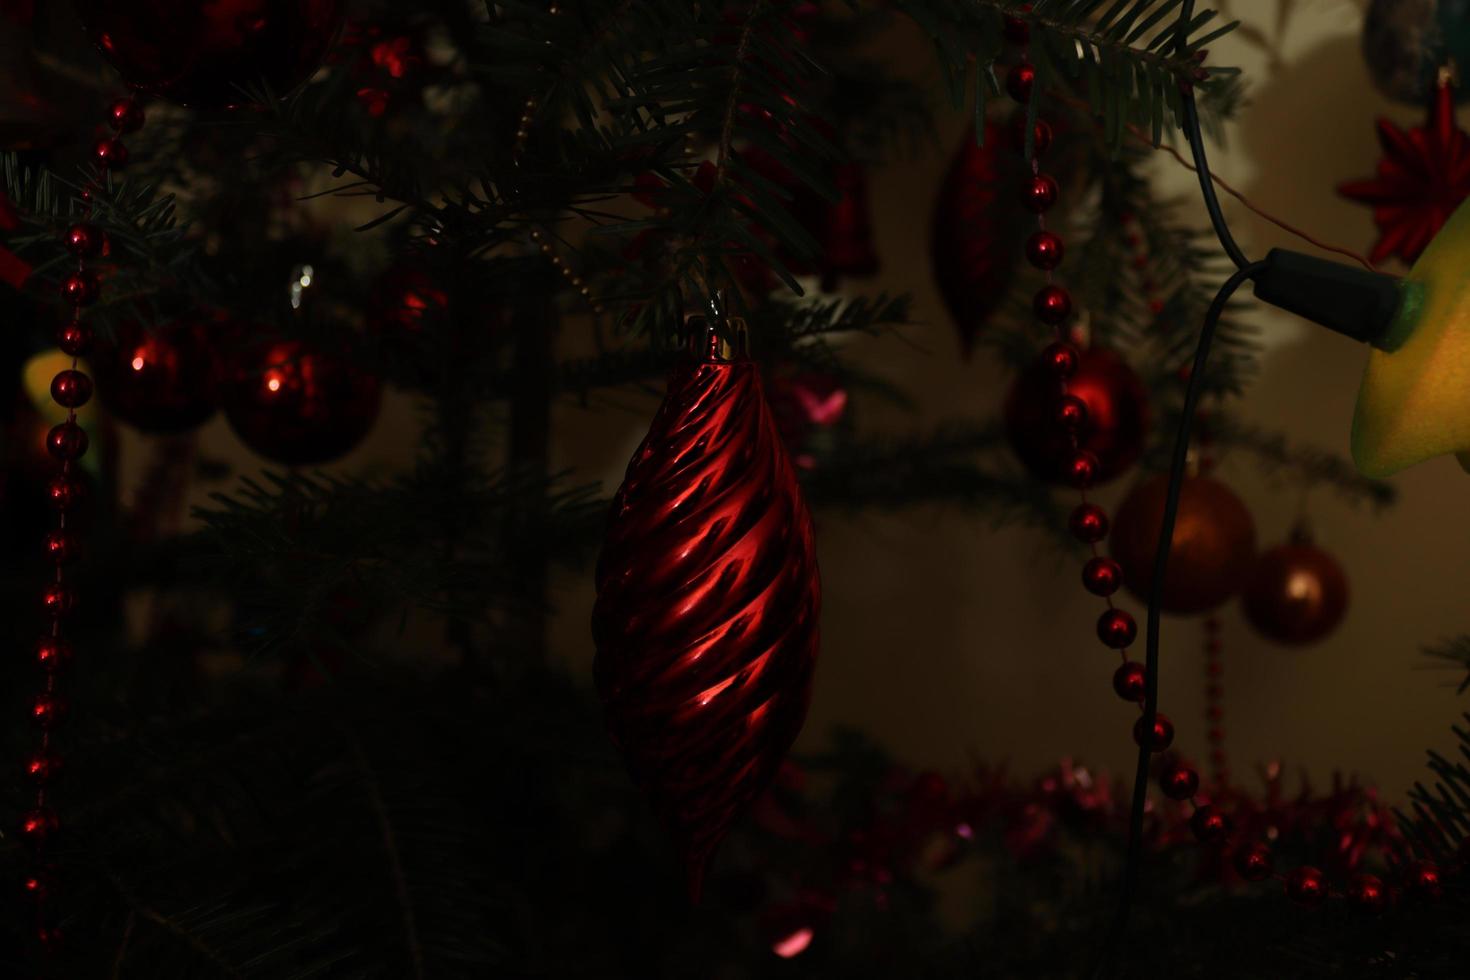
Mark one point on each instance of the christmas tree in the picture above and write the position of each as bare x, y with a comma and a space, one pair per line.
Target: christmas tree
296, 708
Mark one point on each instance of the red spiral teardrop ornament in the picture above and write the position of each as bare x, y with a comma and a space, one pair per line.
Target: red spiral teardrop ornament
707, 600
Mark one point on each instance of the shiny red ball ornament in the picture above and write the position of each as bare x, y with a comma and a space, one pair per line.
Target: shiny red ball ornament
1159, 737
1044, 250
1209, 825
58, 600
1213, 547
74, 338
1306, 886
1041, 135
126, 115
1082, 469
38, 825
1367, 893
201, 55
66, 441
38, 886
81, 288
84, 241
71, 389
1020, 80
52, 653
110, 153
160, 379
1052, 305
1254, 862
42, 768
1071, 412
974, 231
48, 710
1424, 879
1130, 681
1101, 576
707, 600
1295, 593
1116, 629
299, 406
1179, 782
1114, 427
1088, 522
1039, 193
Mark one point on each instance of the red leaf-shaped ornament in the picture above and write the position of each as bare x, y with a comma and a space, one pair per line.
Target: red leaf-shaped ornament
707, 600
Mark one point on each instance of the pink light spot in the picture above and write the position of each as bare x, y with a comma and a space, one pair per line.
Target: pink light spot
138, 363
794, 944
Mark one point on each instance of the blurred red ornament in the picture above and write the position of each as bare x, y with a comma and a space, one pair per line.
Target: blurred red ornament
1254, 862
1129, 681
299, 406
1209, 825
1179, 782
202, 54
790, 929
707, 601
408, 298
1296, 592
803, 403
1214, 542
1422, 178
161, 379
1367, 893
1306, 886
1425, 879
976, 227
38, 825
126, 115
844, 229
1114, 427
1159, 737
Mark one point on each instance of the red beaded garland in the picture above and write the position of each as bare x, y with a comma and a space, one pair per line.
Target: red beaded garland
1060, 359
126, 115
1020, 80
61, 546
1159, 737
1209, 825
84, 241
1116, 629
37, 825
1129, 681
74, 338
42, 767
38, 885
64, 492
1017, 31
1082, 469
1044, 250
110, 153
1179, 782
71, 389
1367, 893
52, 653
1253, 862
1306, 885
80, 289
66, 441
1071, 412
1102, 576
1039, 193
1052, 305
48, 709
1089, 523
58, 600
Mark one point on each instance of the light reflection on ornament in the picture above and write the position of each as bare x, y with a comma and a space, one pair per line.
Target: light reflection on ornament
795, 944
138, 362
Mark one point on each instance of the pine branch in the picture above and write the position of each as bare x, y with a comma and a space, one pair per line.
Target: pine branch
1304, 465
1455, 652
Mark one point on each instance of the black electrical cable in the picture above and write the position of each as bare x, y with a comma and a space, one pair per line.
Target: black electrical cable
1245, 270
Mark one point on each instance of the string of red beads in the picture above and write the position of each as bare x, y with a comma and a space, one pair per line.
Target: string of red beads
1102, 576
67, 443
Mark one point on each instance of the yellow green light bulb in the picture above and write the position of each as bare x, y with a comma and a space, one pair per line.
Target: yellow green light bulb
1414, 403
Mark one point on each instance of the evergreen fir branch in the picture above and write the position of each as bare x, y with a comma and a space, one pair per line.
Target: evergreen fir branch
1455, 654
1304, 465
1126, 59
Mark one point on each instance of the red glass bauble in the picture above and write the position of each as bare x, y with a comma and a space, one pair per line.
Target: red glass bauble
1254, 862
1214, 542
1306, 885
976, 231
71, 389
707, 602
1114, 427
299, 406
1296, 593
201, 54
160, 379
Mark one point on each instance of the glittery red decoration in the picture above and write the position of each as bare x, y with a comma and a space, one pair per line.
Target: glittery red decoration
1422, 178
707, 602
